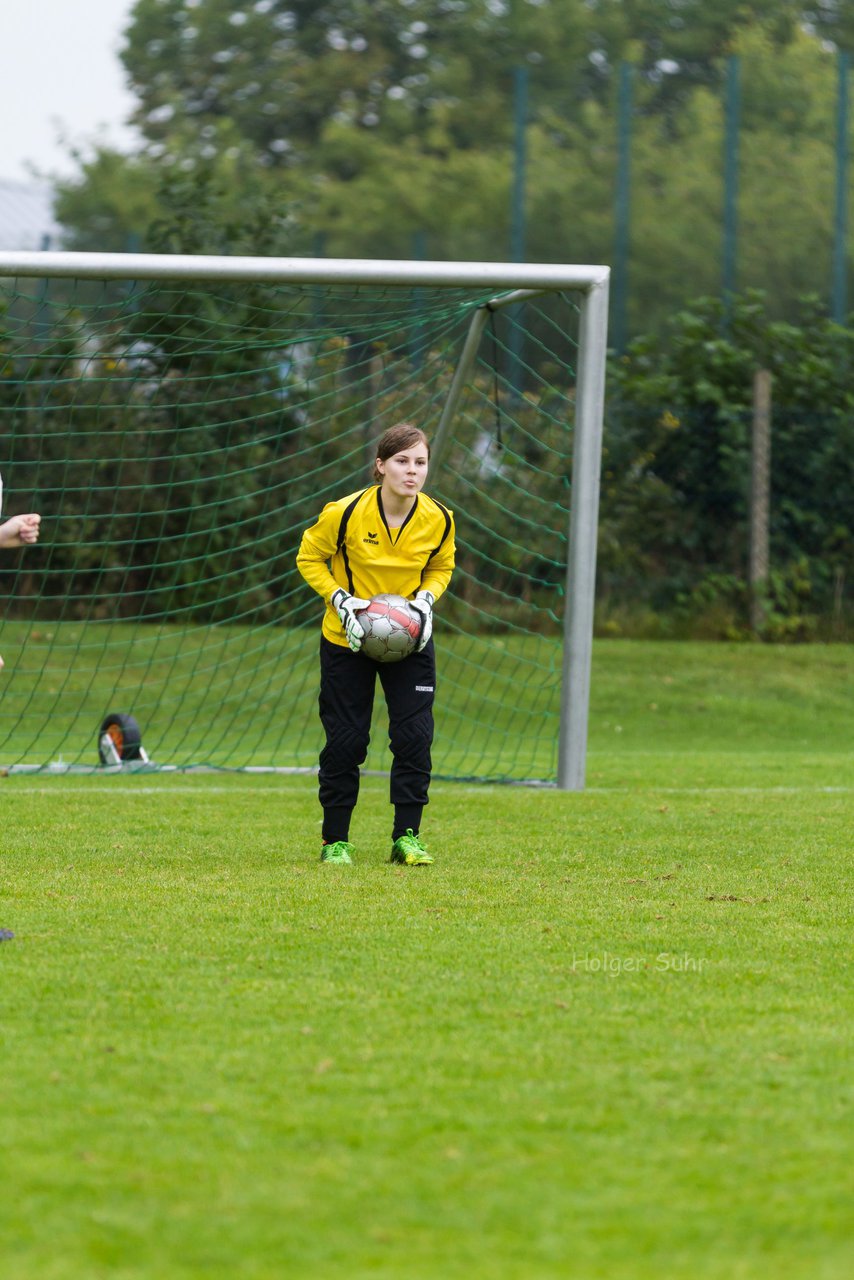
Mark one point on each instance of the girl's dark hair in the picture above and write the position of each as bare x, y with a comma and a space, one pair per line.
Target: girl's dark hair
403, 435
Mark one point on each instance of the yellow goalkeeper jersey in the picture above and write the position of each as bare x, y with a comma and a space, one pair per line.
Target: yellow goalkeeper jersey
352, 546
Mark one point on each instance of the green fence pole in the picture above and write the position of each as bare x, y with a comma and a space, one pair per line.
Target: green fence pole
416, 349
731, 132
517, 223
520, 125
839, 303
318, 250
622, 206
133, 244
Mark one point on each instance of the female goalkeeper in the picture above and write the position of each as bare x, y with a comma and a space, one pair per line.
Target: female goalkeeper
390, 538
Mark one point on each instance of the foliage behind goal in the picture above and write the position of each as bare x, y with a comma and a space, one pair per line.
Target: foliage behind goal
178, 437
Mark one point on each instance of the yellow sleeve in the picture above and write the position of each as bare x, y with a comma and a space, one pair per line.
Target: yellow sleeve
438, 572
317, 546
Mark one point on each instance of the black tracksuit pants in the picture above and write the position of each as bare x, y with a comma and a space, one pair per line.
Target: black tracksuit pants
347, 684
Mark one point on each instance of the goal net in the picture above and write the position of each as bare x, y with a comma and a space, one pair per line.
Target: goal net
178, 422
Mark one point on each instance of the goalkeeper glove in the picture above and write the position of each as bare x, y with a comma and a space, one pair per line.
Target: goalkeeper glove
423, 602
347, 606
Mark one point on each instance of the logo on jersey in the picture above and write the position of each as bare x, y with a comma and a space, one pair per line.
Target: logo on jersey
372, 538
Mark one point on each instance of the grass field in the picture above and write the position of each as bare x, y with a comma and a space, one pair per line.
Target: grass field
607, 1035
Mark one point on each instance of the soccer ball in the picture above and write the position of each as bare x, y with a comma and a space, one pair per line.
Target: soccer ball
392, 628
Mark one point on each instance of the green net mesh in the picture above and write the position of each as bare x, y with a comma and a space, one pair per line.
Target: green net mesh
177, 439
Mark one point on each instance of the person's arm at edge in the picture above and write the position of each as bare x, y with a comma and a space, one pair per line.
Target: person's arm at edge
20, 531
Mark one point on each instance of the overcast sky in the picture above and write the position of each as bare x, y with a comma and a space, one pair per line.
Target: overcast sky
60, 75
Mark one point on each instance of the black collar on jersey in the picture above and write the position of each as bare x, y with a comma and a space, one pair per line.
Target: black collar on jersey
401, 528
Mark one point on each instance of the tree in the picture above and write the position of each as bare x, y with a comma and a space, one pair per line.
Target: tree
279, 72
365, 123
679, 47
677, 457
110, 204
832, 20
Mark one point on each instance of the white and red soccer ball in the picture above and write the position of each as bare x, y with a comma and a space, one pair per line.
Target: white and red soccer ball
392, 628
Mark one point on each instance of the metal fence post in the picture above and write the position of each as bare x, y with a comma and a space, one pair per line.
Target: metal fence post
839, 303
732, 114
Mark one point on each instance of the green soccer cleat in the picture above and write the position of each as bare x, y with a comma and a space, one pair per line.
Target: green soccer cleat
339, 851
410, 850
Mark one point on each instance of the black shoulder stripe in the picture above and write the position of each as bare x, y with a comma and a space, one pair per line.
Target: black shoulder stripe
345, 517
342, 535
447, 529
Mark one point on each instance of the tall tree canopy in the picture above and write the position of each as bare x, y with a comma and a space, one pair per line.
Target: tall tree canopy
370, 120
276, 72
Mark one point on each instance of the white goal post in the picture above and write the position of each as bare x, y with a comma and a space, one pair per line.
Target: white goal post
513, 282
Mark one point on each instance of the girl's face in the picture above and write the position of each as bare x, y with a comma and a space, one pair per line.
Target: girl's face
404, 473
